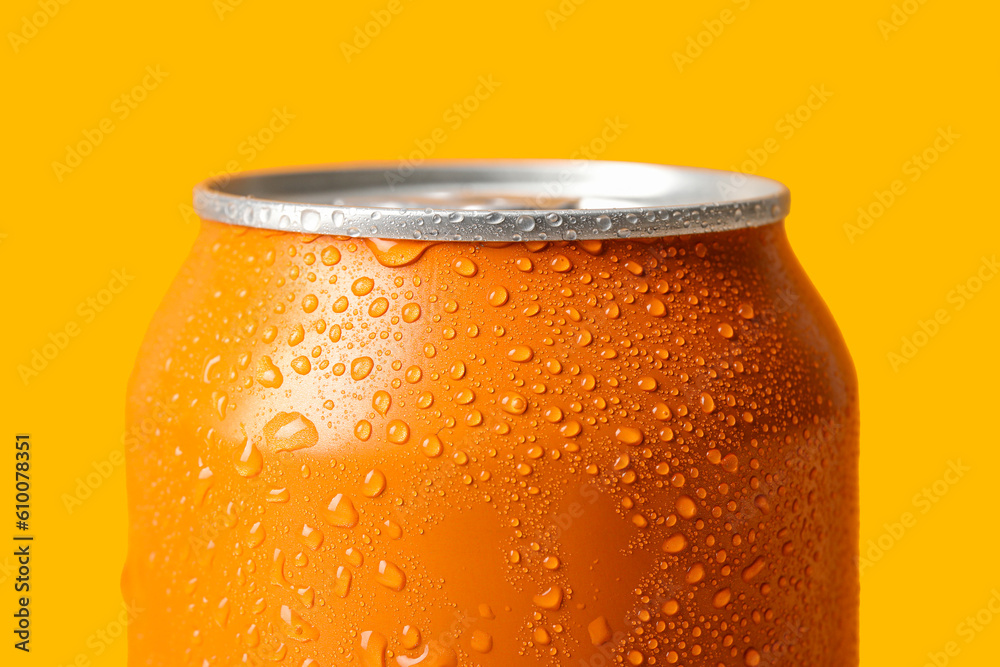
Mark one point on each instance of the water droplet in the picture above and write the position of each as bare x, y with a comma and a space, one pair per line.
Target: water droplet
378, 307
464, 266
255, 536
647, 383
390, 576
695, 573
330, 256
361, 367
722, 598
374, 483
307, 596
249, 461
221, 613
363, 430
268, 374
410, 637
481, 641
381, 400
310, 220
373, 647
301, 365
629, 435
599, 631
520, 353
686, 507
498, 296
550, 599
289, 431
675, 543
753, 569
277, 495
340, 512
311, 537
296, 627
432, 446
661, 412
397, 431
411, 313
354, 557
393, 529
396, 252
342, 582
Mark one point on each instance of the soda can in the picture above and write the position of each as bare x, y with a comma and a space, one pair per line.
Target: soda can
493, 413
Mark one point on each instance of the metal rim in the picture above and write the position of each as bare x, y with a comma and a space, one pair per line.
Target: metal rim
569, 200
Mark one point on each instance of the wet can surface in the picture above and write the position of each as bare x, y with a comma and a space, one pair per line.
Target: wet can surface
541, 413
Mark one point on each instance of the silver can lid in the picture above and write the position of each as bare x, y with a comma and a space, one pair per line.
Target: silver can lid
505, 200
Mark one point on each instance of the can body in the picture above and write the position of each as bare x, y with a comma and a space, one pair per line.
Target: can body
363, 452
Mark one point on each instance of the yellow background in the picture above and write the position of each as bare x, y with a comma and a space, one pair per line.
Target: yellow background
565, 70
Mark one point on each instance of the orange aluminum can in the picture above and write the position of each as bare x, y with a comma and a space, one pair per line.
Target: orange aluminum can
493, 414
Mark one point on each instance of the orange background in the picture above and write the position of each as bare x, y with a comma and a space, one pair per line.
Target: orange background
882, 106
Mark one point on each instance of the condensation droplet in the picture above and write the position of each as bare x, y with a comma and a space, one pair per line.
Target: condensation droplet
390, 576
289, 431
374, 483
340, 512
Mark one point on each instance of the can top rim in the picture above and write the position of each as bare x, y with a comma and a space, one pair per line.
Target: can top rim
494, 200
